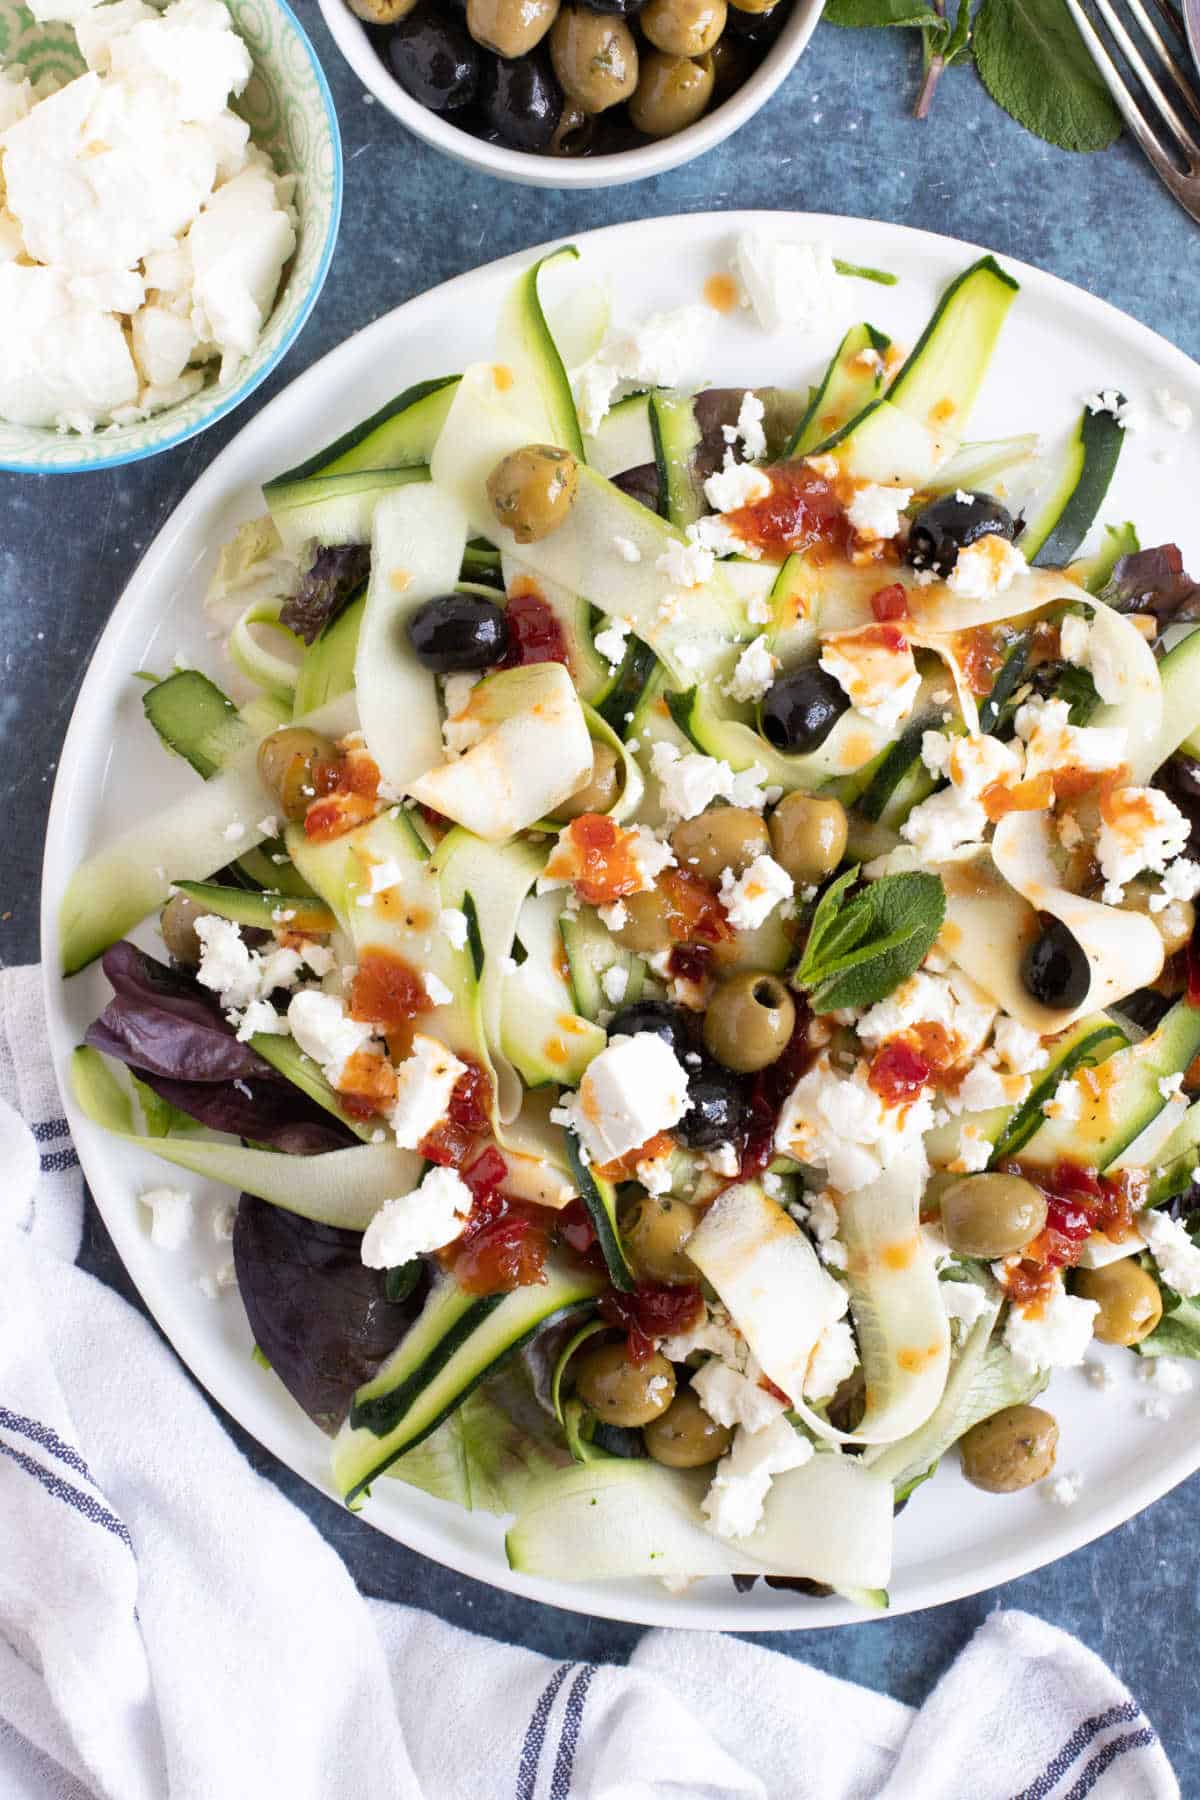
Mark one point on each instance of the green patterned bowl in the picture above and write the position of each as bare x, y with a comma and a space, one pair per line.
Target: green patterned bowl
290, 111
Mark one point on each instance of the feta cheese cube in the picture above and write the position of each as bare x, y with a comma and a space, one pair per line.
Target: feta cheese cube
631, 1091
751, 897
785, 283
432, 1216
1055, 1337
170, 1212
424, 1083
877, 512
239, 244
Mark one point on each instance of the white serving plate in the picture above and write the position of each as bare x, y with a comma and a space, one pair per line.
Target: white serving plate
1059, 345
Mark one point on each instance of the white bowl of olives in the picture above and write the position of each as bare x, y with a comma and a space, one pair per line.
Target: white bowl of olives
572, 93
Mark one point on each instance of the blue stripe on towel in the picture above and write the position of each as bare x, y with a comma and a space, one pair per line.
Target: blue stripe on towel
48, 1439
49, 1129
564, 1762
87, 1504
1133, 1740
535, 1735
1074, 1747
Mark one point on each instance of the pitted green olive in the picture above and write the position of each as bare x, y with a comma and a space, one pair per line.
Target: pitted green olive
1011, 1450
683, 27
724, 837
601, 788
749, 1021
286, 762
655, 1232
647, 924
177, 922
992, 1215
684, 1437
1129, 1299
808, 836
532, 490
672, 93
622, 1392
595, 58
510, 27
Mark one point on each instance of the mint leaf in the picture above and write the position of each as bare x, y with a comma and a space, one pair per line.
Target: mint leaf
858, 952
1033, 63
859, 13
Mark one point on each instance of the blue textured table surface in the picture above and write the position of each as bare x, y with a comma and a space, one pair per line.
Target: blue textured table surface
837, 138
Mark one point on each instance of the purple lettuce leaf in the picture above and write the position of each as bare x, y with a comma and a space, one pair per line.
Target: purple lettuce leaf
162, 1022
1153, 581
271, 1112
322, 1320
337, 572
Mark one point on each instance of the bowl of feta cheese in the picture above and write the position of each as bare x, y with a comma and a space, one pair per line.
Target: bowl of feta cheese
170, 191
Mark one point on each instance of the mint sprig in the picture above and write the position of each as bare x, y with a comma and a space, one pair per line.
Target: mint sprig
1029, 55
859, 950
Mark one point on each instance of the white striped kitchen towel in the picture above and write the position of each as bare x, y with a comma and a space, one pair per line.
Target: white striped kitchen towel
172, 1628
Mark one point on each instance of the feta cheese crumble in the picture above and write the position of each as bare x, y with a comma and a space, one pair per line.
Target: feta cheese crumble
170, 1212
632, 1090
1052, 743
1140, 828
750, 898
1088, 649
753, 673
424, 1083
1055, 1337
612, 642
1064, 1489
1174, 412
1177, 1257
453, 925
785, 283
735, 485
688, 565
657, 353
988, 566
432, 1216
690, 782
876, 670
877, 512
840, 1124
734, 1502
147, 235
325, 1031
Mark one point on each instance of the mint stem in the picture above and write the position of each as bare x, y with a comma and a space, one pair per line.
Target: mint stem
933, 67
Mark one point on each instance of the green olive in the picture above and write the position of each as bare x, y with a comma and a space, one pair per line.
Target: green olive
532, 490
1011, 1450
672, 93
574, 132
286, 762
622, 1392
381, 12
510, 27
753, 6
808, 836
683, 27
684, 1437
1129, 1299
654, 1233
595, 58
992, 1215
749, 1021
725, 837
647, 924
1175, 922
177, 922
599, 791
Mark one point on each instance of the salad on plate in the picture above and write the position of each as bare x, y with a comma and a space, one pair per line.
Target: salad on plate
681, 940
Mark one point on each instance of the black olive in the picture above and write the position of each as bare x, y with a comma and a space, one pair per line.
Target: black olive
435, 59
458, 632
759, 29
1055, 968
717, 1112
801, 709
671, 1023
947, 525
624, 9
520, 98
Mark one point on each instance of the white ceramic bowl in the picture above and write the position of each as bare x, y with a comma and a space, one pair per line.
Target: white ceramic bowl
290, 112
352, 39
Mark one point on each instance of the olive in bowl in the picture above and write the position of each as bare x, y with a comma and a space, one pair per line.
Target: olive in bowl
603, 90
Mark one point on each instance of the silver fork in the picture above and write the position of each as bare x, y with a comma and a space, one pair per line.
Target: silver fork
1178, 166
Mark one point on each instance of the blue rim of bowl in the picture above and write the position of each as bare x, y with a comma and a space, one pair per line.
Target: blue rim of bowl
242, 392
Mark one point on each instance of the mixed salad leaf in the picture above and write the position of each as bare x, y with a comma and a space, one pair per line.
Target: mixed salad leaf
686, 952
